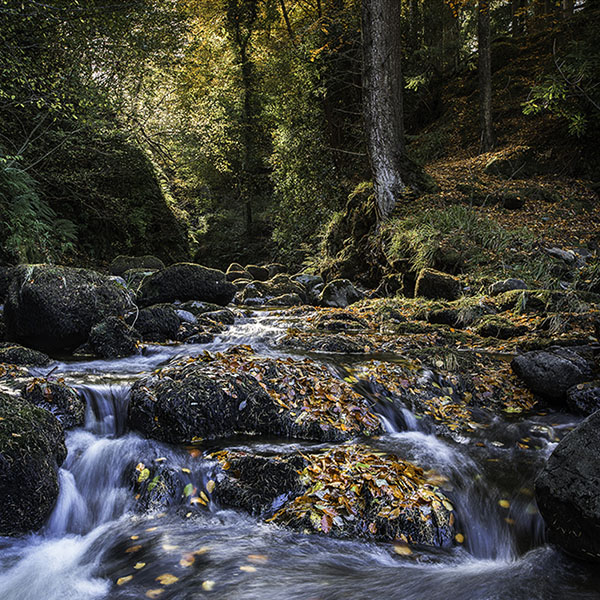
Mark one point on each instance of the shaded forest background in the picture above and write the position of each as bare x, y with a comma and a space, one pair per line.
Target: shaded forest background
232, 130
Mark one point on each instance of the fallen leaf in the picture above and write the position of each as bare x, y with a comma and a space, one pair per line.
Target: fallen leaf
167, 579
123, 580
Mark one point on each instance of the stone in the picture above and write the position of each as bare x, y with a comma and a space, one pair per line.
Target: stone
53, 308
584, 398
158, 323
257, 293
23, 357
340, 293
436, 285
32, 448
186, 281
568, 491
507, 285
113, 338
285, 300
58, 398
121, 264
550, 373
258, 273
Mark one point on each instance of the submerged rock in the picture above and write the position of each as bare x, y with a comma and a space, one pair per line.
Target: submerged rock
219, 396
54, 308
32, 447
550, 373
187, 281
346, 492
568, 491
59, 399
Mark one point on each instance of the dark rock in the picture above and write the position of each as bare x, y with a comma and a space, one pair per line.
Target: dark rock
59, 399
240, 284
436, 285
308, 281
235, 267
340, 293
235, 275
497, 327
550, 373
135, 277
6, 275
443, 316
54, 308
198, 308
32, 447
113, 338
389, 286
567, 255
257, 293
507, 285
194, 333
568, 491
276, 269
258, 273
517, 164
285, 300
23, 357
511, 200
121, 264
239, 393
224, 316
187, 281
157, 323
584, 398
338, 321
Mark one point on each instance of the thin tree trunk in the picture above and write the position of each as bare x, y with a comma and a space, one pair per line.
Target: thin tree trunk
485, 75
568, 7
382, 100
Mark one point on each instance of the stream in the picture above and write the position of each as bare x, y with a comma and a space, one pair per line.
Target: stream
86, 546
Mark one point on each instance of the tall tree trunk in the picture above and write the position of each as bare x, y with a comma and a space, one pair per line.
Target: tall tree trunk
485, 75
382, 100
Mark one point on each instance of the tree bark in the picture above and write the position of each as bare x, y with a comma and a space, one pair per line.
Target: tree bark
382, 100
485, 76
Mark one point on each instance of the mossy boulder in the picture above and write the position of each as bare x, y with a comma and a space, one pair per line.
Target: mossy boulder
135, 277
158, 323
32, 447
58, 398
186, 281
340, 293
498, 327
346, 492
219, 396
54, 308
436, 285
257, 272
121, 264
257, 293
113, 338
235, 275
285, 300
24, 357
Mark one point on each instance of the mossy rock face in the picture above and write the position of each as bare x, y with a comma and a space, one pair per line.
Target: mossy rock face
113, 338
187, 281
219, 396
346, 492
59, 399
157, 323
23, 357
122, 263
436, 285
32, 447
54, 308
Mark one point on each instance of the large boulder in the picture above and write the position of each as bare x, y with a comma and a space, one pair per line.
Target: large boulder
59, 399
568, 491
122, 263
158, 323
550, 373
339, 293
257, 272
23, 357
436, 285
257, 293
32, 447
219, 396
186, 281
584, 398
113, 338
54, 308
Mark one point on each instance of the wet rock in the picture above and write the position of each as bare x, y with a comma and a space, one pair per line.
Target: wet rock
32, 447
568, 491
507, 285
223, 316
198, 308
135, 277
276, 269
195, 333
6, 275
186, 316
444, 316
285, 300
584, 398
334, 344
157, 323
187, 281
347, 492
257, 293
258, 273
567, 255
235, 275
240, 284
550, 373
308, 281
235, 267
340, 293
113, 338
122, 263
338, 321
219, 396
54, 308
59, 399
23, 357
436, 285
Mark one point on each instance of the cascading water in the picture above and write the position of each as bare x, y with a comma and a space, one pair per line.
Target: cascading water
95, 539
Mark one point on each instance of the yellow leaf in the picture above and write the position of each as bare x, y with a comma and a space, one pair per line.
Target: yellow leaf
208, 585
167, 579
402, 549
187, 561
123, 580
139, 565
459, 537
154, 593
210, 486
132, 549
248, 568
504, 503
258, 558
169, 547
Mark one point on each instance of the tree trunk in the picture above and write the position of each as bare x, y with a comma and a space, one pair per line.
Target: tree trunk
568, 7
485, 75
382, 100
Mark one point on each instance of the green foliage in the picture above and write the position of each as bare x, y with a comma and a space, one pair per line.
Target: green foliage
34, 233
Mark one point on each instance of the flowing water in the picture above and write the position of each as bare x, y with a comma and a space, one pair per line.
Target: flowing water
94, 537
